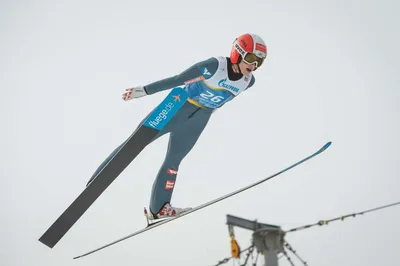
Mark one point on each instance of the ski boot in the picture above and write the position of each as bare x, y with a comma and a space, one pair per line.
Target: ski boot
165, 213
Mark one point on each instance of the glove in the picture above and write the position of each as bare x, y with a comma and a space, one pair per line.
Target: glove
131, 93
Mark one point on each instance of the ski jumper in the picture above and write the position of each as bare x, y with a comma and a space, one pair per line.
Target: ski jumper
209, 85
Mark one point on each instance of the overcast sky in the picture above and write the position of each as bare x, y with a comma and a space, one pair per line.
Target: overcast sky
331, 75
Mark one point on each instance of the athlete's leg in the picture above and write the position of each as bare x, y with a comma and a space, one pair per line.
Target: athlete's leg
182, 139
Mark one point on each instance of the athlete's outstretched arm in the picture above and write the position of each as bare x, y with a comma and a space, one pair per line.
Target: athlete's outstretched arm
192, 73
189, 74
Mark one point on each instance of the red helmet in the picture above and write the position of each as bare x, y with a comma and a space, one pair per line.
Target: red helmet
250, 48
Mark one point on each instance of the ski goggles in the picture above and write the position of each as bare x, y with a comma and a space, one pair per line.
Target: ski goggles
247, 57
251, 58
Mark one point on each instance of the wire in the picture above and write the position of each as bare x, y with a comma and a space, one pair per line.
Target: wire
289, 247
251, 248
288, 258
256, 260
325, 222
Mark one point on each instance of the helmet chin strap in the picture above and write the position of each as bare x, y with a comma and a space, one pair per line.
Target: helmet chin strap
240, 71
237, 65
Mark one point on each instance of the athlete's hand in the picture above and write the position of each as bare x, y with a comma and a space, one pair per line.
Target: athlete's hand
135, 92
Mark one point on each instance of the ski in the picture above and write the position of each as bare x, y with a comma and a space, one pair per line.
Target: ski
139, 139
154, 225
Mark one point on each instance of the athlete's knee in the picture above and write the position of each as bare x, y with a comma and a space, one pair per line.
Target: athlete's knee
172, 164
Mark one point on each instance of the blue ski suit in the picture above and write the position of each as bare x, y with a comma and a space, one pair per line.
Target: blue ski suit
209, 84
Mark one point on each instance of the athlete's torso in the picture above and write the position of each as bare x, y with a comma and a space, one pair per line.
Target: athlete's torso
216, 89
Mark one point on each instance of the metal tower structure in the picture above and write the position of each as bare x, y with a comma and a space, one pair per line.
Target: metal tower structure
269, 240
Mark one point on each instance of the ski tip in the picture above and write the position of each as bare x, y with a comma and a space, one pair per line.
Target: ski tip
326, 146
